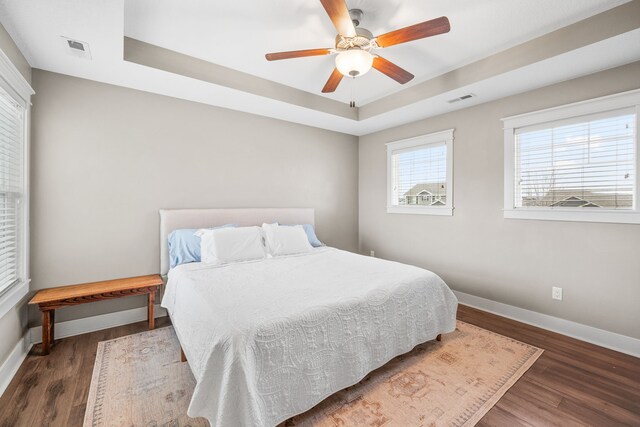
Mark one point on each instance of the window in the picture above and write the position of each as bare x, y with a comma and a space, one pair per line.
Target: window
15, 95
577, 163
420, 174
11, 191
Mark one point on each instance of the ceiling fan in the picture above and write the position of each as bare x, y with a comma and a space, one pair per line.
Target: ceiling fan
355, 44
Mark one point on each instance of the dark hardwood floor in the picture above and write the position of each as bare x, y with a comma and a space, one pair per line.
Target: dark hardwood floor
572, 383
52, 390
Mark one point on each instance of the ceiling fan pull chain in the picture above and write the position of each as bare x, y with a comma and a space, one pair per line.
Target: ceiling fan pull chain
352, 103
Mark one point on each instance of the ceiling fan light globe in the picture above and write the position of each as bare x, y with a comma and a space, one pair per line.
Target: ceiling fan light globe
354, 62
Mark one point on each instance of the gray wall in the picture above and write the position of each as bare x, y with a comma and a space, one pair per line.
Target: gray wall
13, 325
516, 262
106, 158
13, 53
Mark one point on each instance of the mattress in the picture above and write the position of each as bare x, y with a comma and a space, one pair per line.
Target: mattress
270, 339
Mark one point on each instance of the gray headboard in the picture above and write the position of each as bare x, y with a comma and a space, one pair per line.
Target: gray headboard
173, 219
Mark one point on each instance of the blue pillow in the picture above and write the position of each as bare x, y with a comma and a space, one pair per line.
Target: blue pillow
184, 245
311, 235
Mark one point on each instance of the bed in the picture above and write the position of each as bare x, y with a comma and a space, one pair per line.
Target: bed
270, 339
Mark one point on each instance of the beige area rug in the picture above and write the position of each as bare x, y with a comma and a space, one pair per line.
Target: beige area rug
139, 381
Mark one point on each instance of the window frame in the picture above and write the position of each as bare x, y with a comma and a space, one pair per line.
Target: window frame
445, 138
571, 112
17, 87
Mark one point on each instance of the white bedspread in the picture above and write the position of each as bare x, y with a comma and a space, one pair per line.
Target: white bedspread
269, 339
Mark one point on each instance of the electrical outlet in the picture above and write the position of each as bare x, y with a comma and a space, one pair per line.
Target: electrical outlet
373, 253
556, 293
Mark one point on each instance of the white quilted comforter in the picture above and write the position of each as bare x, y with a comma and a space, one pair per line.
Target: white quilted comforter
269, 339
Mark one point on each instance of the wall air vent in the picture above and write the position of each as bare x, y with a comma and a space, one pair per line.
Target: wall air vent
461, 98
77, 48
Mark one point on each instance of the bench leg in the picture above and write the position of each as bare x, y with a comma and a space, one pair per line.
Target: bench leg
52, 335
46, 332
439, 337
183, 357
150, 315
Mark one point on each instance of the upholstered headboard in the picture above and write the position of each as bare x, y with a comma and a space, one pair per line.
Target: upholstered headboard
173, 219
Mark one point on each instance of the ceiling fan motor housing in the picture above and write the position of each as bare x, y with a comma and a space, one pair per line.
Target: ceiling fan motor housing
362, 40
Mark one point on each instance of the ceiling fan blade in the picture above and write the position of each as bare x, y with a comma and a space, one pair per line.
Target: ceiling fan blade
333, 82
415, 32
296, 54
339, 14
392, 70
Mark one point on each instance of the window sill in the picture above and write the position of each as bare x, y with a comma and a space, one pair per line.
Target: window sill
12, 297
621, 217
420, 210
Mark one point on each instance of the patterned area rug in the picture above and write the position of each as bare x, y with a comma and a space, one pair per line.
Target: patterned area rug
139, 380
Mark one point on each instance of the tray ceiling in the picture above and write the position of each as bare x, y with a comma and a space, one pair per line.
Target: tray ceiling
238, 34
231, 39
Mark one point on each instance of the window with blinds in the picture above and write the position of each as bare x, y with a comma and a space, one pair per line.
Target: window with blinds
420, 176
580, 163
574, 162
419, 173
11, 190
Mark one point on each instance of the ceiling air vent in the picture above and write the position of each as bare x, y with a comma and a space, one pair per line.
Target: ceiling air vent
461, 98
77, 48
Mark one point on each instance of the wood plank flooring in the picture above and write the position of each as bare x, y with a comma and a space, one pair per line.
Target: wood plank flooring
52, 390
572, 384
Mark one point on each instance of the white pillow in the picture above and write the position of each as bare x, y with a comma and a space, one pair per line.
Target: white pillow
225, 245
285, 239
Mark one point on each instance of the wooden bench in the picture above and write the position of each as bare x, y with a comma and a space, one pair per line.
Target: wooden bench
48, 300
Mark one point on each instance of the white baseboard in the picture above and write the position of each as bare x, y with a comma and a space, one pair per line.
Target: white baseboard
621, 343
96, 323
13, 362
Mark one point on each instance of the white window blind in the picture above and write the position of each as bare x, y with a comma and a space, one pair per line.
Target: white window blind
11, 189
581, 163
420, 175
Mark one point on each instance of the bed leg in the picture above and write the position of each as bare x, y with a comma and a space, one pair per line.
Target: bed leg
439, 337
183, 358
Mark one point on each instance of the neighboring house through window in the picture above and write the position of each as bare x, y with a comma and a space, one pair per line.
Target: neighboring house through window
420, 174
425, 194
577, 162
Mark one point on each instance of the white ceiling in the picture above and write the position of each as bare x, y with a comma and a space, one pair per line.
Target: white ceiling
237, 34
